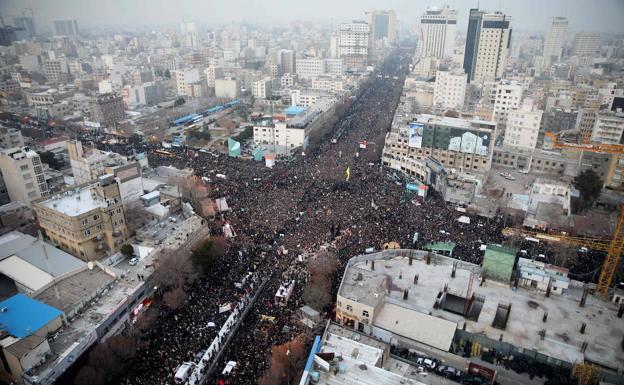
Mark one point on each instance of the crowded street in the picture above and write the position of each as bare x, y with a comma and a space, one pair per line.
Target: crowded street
336, 195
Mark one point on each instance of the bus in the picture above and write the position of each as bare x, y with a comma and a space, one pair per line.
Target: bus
163, 152
284, 292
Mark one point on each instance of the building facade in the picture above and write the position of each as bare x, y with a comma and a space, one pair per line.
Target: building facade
438, 29
107, 109
88, 221
523, 127
353, 44
555, 38
450, 89
508, 97
23, 175
487, 45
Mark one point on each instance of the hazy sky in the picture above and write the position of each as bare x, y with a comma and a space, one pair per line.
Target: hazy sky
531, 15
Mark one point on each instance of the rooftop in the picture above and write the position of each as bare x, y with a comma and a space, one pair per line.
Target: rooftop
562, 340
75, 202
22, 316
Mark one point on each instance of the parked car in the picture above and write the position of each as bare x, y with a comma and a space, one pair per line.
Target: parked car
133, 261
427, 363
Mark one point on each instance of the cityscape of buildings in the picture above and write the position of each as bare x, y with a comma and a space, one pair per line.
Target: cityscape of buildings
353, 201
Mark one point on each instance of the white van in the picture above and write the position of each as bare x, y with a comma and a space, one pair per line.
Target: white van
228, 368
183, 373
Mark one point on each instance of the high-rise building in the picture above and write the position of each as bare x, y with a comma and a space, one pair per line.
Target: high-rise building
450, 89
523, 126
487, 45
608, 128
7, 35
22, 172
438, 28
191, 82
87, 221
586, 44
383, 25
25, 27
261, 89
555, 38
353, 44
66, 28
287, 61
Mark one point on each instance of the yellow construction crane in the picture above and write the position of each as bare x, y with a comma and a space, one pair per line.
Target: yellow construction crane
556, 142
614, 248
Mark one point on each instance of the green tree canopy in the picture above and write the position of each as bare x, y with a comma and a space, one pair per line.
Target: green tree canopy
48, 158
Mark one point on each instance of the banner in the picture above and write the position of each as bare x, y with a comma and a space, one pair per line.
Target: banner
348, 172
225, 307
234, 149
415, 135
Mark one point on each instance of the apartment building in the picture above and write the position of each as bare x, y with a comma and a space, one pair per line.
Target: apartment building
107, 109
608, 128
87, 221
353, 44
523, 126
555, 38
450, 89
261, 89
10, 138
191, 82
90, 164
23, 176
508, 97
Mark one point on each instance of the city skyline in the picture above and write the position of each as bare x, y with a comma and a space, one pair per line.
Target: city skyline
143, 13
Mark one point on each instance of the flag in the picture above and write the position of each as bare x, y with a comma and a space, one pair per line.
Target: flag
348, 172
224, 308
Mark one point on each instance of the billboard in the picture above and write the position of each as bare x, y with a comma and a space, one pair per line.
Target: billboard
415, 135
461, 140
234, 149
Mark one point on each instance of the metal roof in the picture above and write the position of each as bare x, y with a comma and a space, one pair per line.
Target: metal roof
22, 316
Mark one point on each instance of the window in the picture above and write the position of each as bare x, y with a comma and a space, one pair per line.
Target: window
349, 308
365, 313
24, 167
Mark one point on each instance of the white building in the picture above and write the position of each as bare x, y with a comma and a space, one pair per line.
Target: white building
261, 89
508, 97
353, 44
213, 73
450, 89
23, 174
383, 26
310, 68
227, 88
586, 44
548, 191
487, 45
189, 82
608, 128
281, 135
438, 28
543, 276
523, 126
328, 84
334, 67
555, 38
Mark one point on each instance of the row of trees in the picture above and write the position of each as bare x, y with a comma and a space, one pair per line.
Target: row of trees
174, 275
317, 292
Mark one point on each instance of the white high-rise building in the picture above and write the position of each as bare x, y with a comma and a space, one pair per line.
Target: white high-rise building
555, 38
310, 67
508, 97
438, 28
450, 89
487, 45
608, 128
189, 82
586, 44
383, 25
353, 44
334, 42
523, 126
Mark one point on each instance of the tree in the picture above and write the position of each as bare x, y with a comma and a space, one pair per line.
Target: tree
48, 157
173, 299
589, 185
208, 253
123, 347
179, 101
126, 250
167, 74
287, 361
88, 375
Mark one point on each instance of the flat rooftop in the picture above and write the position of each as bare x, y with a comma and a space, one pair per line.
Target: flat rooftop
604, 331
75, 202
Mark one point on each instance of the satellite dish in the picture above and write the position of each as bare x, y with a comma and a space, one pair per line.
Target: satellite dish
90, 265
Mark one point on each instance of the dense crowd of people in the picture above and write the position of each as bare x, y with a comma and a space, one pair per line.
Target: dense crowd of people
297, 207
